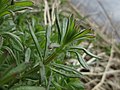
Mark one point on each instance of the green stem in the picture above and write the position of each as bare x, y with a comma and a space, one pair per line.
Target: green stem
54, 55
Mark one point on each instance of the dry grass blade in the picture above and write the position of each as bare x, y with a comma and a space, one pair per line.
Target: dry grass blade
106, 69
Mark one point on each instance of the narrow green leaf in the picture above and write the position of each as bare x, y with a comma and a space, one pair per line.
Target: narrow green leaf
4, 13
58, 86
65, 67
71, 25
1, 41
69, 30
50, 81
23, 3
81, 60
66, 74
59, 28
27, 55
89, 36
86, 51
48, 41
82, 33
64, 28
66, 70
35, 40
19, 6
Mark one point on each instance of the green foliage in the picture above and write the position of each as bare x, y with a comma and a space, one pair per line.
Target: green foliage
9, 6
32, 54
28, 88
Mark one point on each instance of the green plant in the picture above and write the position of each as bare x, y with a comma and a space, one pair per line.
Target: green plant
32, 55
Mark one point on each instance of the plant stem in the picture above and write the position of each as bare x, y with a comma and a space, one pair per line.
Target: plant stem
54, 55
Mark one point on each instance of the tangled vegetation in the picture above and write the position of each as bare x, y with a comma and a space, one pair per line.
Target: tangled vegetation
34, 49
